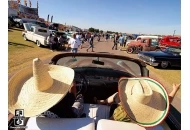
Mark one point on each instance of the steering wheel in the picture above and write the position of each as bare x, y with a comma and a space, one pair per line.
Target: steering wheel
82, 84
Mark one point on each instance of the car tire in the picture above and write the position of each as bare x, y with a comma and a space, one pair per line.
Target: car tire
164, 64
130, 50
140, 48
17, 25
38, 44
25, 38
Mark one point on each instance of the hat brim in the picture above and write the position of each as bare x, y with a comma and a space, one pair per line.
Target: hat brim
148, 115
23, 95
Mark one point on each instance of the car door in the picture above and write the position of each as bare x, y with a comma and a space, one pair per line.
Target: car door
153, 44
176, 61
28, 28
30, 34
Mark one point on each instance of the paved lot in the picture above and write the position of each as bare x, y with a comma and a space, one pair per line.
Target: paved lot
106, 47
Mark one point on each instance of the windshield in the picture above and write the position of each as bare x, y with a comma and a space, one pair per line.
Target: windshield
102, 62
173, 50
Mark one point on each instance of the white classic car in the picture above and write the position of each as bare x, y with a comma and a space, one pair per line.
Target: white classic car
36, 34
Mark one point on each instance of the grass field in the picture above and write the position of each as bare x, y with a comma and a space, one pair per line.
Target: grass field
20, 52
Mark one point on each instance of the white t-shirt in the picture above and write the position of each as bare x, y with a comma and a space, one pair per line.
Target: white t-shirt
74, 43
78, 36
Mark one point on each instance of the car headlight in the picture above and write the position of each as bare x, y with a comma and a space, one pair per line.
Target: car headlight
139, 54
152, 59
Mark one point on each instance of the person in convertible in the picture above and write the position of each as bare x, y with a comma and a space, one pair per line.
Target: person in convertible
45, 90
140, 100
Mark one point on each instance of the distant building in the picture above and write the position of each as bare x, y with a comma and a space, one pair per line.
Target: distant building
74, 28
85, 30
22, 11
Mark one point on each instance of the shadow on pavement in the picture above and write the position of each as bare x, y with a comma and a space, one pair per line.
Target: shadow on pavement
18, 44
17, 29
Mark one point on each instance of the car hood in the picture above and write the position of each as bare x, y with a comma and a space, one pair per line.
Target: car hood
155, 53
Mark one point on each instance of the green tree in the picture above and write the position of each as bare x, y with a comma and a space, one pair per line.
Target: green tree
91, 29
96, 30
101, 31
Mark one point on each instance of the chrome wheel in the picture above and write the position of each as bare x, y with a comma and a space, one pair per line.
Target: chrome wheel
38, 43
164, 64
25, 38
130, 50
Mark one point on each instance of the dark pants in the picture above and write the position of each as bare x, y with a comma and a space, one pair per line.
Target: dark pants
57, 46
51, 46
125, 43
91, 46
115, 45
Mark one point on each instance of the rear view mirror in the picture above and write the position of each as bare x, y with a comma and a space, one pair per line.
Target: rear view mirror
97, 62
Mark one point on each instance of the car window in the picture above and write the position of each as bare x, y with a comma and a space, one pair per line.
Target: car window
42, 30
32, 29
173, 50
154, 42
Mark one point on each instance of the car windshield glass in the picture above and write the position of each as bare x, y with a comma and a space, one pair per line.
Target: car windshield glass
102, 62
173, 50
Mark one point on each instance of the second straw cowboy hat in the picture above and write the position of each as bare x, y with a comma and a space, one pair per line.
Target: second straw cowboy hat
39, 88
145, 100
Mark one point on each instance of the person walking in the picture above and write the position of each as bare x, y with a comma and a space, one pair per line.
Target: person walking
116, 37
60, 41
74, 43
98, 37
125, 42
107, 36
121, 41
56, 44
50, 42
91, 43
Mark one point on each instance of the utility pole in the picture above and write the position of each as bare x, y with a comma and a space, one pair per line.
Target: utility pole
174, 32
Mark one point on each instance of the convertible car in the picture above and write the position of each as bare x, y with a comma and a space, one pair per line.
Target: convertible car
171, 56
97, 74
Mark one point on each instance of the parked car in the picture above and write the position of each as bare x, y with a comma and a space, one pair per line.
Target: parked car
41, 24
54, 26
139, 38
144, 44
11, 22
36, 34
170, 41
171, 56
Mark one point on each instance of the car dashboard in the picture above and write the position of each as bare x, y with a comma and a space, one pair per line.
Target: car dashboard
99, 74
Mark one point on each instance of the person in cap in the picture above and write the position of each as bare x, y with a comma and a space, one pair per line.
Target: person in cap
140, 100
44, 90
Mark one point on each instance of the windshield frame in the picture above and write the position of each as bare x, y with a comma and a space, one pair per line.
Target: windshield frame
142, 65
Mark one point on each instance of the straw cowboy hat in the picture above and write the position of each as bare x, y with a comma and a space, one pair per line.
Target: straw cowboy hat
38, 88
145, 100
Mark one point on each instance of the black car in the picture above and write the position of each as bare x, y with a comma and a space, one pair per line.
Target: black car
171, 56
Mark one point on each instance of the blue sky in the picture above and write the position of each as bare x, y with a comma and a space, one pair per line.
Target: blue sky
131, 16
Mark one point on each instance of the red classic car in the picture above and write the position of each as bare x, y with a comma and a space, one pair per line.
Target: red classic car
170, 41
144, 44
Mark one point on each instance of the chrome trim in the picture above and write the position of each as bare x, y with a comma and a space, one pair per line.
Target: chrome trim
147, 60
